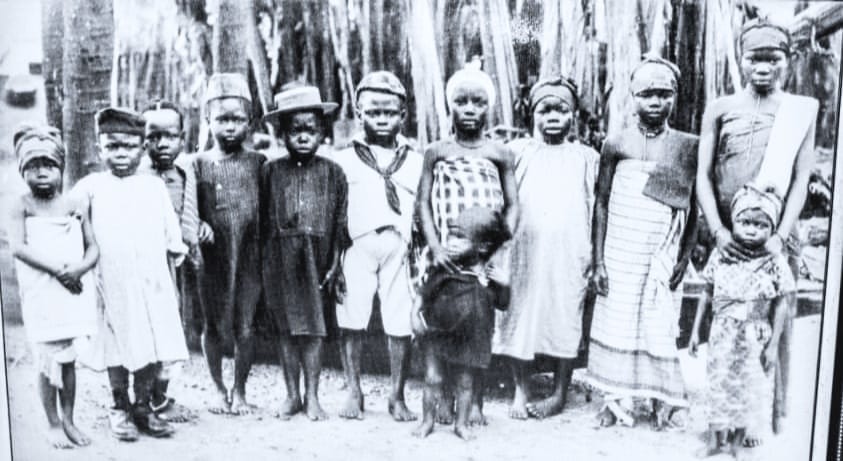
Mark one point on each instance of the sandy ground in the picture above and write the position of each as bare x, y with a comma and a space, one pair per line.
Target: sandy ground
572, 435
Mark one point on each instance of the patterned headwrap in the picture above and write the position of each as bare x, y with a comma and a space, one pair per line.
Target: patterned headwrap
560, 87
761, 34
463, 76
752, 197
32, 142
654, 73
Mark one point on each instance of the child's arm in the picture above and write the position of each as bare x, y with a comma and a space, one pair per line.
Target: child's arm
92, 250
425, 211
506, 167
608, 162
20, 249
694, 343
770, 356
686, 245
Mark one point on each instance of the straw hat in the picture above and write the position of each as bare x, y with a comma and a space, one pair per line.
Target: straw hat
303, 98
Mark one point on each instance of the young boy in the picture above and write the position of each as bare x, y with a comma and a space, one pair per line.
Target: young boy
164, 141
455, 316
383, 172
54, 249
304, 230
226, 182
137, 230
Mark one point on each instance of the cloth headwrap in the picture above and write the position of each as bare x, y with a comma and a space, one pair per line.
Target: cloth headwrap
751, 197
463, 76
38, 142
758, 34
227, 85
654, 73
119, 120
560, 87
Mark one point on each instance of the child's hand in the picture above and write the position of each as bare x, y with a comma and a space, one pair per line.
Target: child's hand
206, 233
442, 259
417, 323
770, 357
693, 345
69, 273
678, 273
731, 250
73, 286
496, 274
600, 279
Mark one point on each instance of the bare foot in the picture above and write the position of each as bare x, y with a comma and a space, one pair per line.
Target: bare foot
751, 441
445, 413
75, 435
176, 413
290, 407
544, 408
222, 406
58, 439
353, 408
476, 417
464, 433
240, 407
399, 411
314, 410
708, 451
606, 417
518, 408
424, 429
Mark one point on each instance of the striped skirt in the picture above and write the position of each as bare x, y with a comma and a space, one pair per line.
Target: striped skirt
633, 351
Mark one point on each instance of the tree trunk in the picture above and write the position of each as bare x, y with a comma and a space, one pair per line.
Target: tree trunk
87, 58
428, 87
499, 59
52, 34
230, 39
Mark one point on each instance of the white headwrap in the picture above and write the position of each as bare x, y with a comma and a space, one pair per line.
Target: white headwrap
473, 76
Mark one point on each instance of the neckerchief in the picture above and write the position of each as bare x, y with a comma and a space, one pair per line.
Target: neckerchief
368, 159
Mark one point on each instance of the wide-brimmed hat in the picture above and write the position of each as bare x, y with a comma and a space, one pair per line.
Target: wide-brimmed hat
302, 98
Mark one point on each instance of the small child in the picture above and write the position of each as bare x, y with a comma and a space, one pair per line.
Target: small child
137, 231
304, 200
742, 346
226, 178
455, 316
164, 141
465, 171
51, 238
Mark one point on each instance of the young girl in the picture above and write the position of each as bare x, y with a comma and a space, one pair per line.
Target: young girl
551, 249
455, 315
742, 347
50, 236
645, 219
467, 170
304, 227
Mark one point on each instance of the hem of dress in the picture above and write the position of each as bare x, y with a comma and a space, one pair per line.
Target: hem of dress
636, 393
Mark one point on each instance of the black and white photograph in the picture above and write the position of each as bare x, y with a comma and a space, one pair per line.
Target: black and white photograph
421, 229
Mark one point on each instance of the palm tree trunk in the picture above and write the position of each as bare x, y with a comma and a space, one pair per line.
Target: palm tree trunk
52, 32
229, 40
87, 58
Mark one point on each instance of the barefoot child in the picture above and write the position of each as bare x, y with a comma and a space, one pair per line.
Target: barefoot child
644, 230
226, 182
51, 239
383, 173
467, 170
742, 346
455, 314
304, 230
163, 140
551, 249
137, 230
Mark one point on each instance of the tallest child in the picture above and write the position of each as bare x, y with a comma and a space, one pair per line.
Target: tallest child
226, 181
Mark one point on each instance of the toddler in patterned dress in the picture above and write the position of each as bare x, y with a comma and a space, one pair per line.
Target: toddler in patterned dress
743, 345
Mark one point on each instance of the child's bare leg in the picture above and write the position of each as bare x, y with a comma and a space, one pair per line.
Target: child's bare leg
244, 355
445, 409
312, 354
290, 362
715, 444
351, 347
433, 379
518, 408
48, 393
165, 407
399, 367
555, 403
212, 347
464, 390
67, 396
475, 414
737, 441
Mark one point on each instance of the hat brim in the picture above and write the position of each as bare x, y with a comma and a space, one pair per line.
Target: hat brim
325, 107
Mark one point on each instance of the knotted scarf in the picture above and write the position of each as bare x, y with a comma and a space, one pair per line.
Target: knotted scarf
368, 159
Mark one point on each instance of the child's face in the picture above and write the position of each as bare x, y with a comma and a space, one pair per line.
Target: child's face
121, 152
163, 137
553, 118
381, 115
752, 228
764, 69
469, 108
302, 134
228, 120
43, 176
653, 106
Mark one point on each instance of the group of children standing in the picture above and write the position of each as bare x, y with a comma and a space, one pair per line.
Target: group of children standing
523, 228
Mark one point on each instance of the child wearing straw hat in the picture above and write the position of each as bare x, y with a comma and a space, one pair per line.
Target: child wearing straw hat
304, 232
